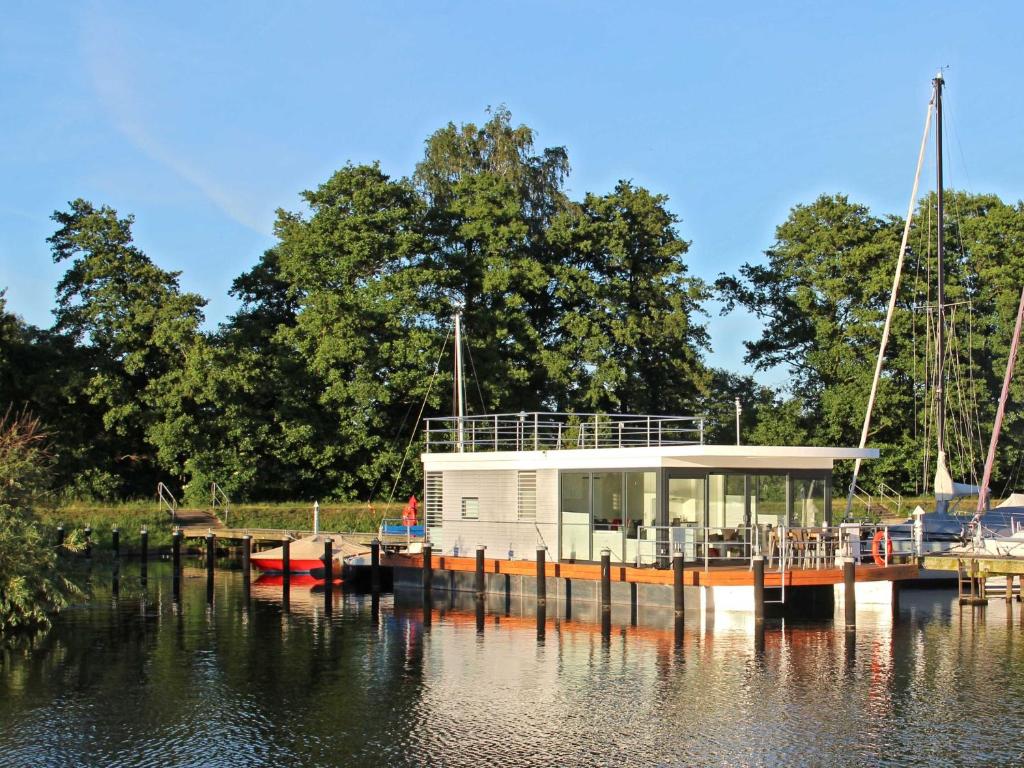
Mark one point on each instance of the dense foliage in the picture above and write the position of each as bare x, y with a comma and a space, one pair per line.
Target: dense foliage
31, 586
312, 388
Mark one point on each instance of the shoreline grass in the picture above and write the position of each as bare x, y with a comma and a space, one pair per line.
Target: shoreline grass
131, 516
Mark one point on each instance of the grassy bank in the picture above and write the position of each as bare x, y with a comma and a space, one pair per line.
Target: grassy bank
348, 516
130, 517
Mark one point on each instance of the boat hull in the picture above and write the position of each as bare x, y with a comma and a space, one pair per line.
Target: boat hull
271, 565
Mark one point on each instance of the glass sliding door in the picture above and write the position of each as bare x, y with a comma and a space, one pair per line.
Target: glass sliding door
686, 507
574, 504
641, 516
808, 502
608, 514
768, 500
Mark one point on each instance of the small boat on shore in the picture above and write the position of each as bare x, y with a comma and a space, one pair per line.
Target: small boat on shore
306, 556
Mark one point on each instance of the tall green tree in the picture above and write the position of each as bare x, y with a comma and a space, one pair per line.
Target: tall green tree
491, 198
365, 328
135, 326
626, 307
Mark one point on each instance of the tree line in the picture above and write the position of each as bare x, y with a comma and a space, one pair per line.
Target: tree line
311, 388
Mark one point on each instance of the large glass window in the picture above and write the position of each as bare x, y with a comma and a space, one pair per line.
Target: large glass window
808, 501
575, 510
768, 502
685, 501
727, 503
607, 509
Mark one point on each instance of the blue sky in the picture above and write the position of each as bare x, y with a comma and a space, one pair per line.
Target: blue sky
202, 119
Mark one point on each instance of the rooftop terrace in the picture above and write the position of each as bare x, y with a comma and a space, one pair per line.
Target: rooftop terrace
544, 431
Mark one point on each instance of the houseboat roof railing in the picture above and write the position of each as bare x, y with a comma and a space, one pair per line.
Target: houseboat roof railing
545, 431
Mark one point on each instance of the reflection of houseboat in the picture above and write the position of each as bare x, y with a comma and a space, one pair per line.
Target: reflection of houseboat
639, 487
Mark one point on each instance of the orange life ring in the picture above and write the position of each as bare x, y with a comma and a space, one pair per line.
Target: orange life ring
876, 546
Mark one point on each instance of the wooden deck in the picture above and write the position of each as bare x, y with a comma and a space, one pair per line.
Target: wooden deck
277, 535
987, 565
692, 576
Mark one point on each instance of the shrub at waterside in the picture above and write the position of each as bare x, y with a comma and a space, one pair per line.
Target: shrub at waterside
32, 587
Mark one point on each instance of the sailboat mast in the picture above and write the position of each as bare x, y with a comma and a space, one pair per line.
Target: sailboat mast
940, 336
460, 385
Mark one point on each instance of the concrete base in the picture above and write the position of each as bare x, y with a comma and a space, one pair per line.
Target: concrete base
868, 593
582, 596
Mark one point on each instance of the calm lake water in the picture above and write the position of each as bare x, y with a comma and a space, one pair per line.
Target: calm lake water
136, 679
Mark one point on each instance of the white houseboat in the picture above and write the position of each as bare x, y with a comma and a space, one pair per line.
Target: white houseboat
639, 486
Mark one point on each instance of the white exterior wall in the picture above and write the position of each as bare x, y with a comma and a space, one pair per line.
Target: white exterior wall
498, 526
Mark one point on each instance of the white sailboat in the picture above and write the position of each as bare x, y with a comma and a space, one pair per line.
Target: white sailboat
939, 529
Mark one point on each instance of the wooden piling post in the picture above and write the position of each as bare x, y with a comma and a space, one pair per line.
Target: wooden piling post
329, 563
286, 565
481, 579
542, 576
115, 542
211, 557
375, 565
606, 580
176, 554
428, 568
60, 535
1009, 588
677, 583
849, 593
758, 563
328, 576
144, 547
246, 561
88, 542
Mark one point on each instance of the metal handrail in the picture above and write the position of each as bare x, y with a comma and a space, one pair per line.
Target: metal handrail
859, 493
538, 431
886, 492
217, 493
166, 499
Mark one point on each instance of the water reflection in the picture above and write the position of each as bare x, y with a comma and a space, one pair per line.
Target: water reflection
148, 679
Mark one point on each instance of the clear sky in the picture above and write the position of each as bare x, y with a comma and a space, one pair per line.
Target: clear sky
203, 118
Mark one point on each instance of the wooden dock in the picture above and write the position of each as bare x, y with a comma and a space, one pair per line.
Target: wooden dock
982, 565
277, 535
974, 569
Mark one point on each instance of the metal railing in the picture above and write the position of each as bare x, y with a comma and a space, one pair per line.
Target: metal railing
164, 498
886, 494
217, 495
536, 431
398, 523
784, 547
859, 494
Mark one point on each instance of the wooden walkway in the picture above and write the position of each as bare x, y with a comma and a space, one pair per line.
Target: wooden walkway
987, 565
277, 535
692, 576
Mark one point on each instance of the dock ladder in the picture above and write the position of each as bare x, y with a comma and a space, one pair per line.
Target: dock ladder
970, 586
